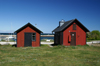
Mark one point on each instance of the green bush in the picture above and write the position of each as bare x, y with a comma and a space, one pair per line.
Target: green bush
0, 44
86, 45
93, 35
2, 40
51, 40
73, 47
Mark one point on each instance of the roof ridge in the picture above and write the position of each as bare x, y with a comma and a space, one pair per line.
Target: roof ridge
67, 23
71, 20
28, 24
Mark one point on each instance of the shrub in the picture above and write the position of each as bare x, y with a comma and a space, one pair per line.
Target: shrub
73, 47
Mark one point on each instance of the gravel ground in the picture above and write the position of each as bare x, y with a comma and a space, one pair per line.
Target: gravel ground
12, 43
5, 43
94, 43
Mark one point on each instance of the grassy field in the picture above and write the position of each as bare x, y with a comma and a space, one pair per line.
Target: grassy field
50, 56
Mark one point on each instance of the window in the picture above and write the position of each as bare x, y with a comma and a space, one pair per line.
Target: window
33, 36
74, 26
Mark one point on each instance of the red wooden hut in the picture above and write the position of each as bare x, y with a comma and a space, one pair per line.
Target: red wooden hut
71, 32
28, 35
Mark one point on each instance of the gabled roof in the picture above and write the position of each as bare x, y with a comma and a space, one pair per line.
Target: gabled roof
30, 25
68, 23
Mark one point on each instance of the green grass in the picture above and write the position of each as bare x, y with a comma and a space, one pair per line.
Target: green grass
8, 41
50, 56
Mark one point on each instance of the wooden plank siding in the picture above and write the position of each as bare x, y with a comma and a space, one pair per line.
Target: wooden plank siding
80, 35
72, 32
20, 37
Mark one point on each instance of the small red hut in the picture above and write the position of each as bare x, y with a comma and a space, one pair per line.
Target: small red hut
71, 32
28, 35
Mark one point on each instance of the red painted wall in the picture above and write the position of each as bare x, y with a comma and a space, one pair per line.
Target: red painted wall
80, 35
20, 37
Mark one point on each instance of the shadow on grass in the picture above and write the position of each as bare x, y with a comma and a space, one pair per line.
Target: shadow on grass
14, 45
54, 44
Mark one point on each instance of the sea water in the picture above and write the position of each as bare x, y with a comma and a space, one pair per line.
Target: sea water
52, 38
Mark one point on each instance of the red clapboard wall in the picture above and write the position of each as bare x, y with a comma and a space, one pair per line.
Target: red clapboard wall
28, 28
80, 35
70, 32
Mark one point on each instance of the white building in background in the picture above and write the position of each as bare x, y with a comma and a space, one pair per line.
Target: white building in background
10, 38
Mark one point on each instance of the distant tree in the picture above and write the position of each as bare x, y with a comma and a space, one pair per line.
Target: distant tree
95, 35
87, 35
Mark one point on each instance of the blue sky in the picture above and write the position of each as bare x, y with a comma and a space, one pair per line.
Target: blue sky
47, 13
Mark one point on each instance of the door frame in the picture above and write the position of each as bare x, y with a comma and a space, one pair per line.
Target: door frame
74, 41
30, 37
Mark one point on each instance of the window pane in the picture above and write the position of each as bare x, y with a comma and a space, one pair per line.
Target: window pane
33, 36
74, 26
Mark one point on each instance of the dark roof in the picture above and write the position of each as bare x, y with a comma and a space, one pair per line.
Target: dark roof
68, 23
30, 25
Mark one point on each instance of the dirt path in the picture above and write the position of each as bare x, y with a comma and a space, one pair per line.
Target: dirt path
95, 44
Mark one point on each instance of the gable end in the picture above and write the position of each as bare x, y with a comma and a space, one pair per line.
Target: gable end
28, 25
69, 23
